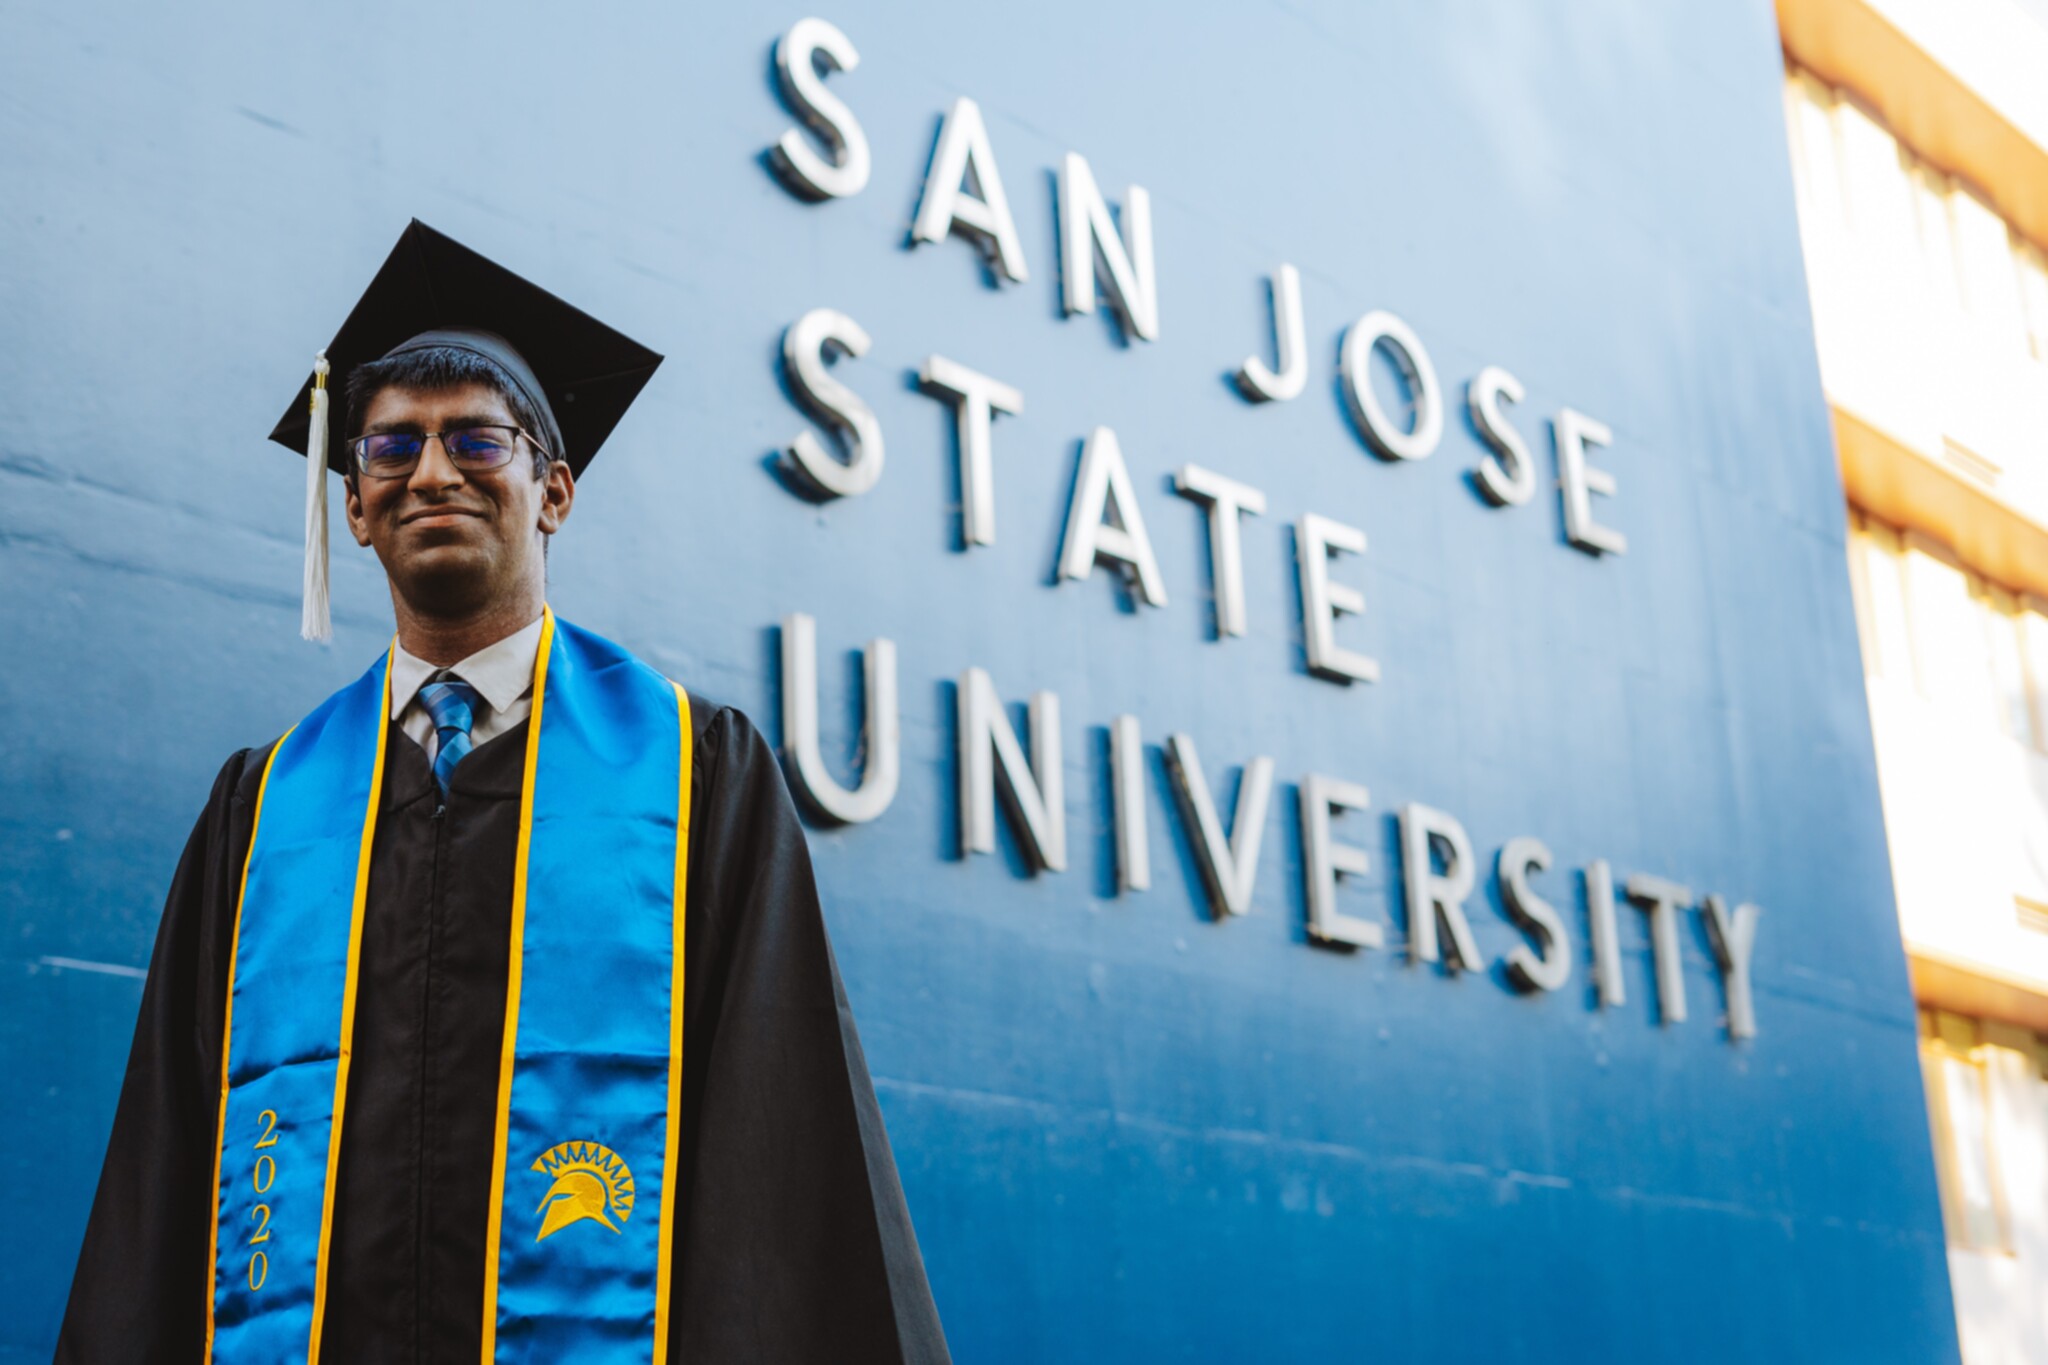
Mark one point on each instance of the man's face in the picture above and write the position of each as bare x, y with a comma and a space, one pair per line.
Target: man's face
454, 541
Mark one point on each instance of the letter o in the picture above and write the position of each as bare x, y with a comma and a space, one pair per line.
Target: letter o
1405, 349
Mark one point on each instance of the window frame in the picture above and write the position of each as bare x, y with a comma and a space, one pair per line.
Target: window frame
1947, 1041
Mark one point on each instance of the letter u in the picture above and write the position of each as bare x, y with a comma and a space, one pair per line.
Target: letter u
881, 730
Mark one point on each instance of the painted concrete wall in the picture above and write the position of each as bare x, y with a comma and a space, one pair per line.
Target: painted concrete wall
1127, 1131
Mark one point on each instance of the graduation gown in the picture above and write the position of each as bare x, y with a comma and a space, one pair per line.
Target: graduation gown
792, 1241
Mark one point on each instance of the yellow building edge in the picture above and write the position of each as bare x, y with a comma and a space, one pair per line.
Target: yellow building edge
1942, 981
1906, 487
1941, 114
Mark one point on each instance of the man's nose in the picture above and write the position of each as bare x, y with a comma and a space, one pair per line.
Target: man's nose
435, 470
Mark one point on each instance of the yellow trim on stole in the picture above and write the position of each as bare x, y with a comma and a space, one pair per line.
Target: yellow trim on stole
670, 1175
348, 1008
227, 1031
512, 982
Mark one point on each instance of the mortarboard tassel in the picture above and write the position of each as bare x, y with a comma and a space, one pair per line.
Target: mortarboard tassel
314, 623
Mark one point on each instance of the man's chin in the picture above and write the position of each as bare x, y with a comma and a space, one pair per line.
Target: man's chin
444, 580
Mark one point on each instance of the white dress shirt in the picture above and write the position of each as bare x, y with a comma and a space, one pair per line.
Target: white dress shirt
501, 673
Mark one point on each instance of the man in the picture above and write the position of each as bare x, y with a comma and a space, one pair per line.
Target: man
410, 1081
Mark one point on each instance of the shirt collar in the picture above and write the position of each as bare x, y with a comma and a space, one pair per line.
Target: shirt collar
501, 673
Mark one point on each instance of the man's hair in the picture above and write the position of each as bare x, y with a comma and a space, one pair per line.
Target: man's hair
432, 369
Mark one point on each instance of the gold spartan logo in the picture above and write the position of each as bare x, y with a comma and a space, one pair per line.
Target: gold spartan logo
591, 1181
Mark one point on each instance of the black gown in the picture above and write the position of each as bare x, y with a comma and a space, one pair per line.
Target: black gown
792, 1241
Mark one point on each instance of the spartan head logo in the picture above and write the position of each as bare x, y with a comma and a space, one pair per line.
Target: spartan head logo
591, 1181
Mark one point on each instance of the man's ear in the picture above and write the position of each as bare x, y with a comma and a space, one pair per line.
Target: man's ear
358, 525
557, 495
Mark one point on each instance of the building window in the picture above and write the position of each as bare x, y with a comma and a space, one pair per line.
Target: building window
1954, 1065
1868, 201
2034, 295
1928, 624
2005, 635
1875, 572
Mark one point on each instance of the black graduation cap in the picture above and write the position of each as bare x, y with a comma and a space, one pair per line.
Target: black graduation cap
579, 375
585, 373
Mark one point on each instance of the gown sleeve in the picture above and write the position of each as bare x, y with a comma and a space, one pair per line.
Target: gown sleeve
139, 1292
794, 1243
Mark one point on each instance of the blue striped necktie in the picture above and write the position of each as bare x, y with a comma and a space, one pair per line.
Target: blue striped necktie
452, 704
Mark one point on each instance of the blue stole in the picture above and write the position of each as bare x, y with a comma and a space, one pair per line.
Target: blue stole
585, 1167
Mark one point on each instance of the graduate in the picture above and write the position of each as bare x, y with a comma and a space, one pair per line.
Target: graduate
492, 1015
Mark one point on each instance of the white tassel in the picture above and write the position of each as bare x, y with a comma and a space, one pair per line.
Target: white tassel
314, 623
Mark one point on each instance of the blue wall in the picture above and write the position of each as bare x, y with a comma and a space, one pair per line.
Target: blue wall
1127, 1132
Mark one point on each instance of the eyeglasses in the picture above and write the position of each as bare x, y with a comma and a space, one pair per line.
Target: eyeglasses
395, 454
